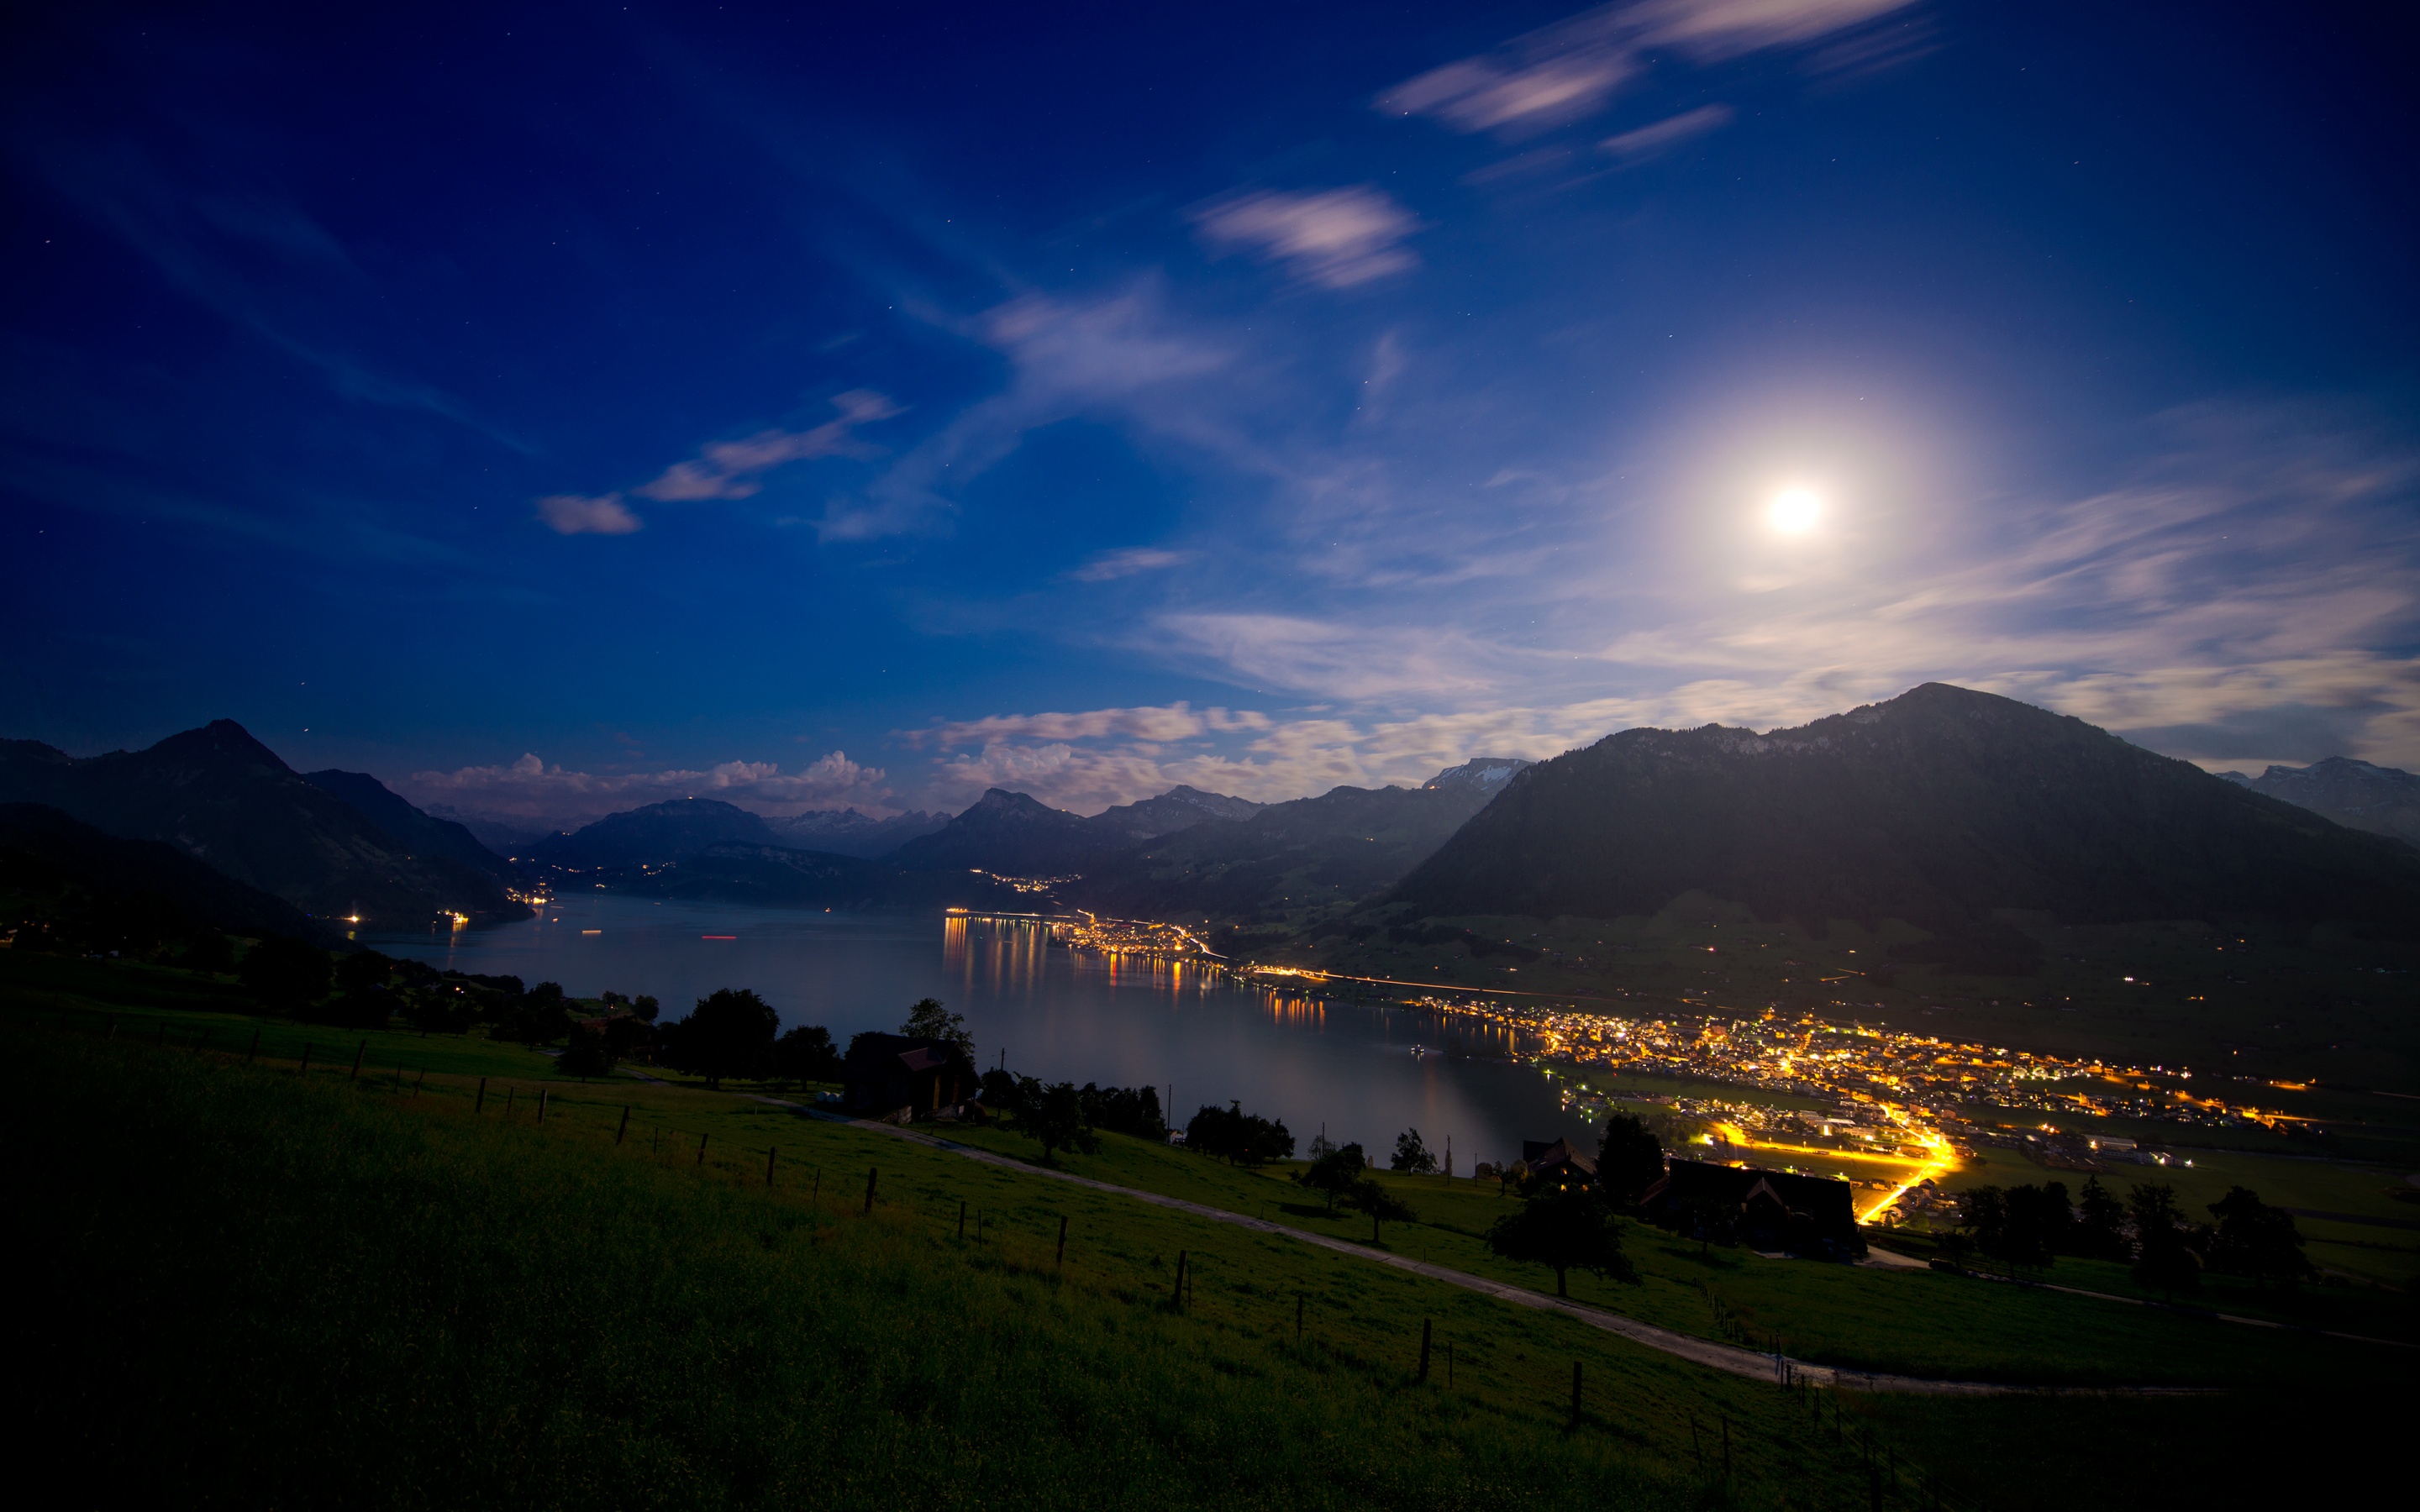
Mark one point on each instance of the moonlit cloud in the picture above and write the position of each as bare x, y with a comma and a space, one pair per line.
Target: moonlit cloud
1647, 141
1174, 721
1563, 73
569, 514
1111, 566
532, 791
1335, 238
735, 470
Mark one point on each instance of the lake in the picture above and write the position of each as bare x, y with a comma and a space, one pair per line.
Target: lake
1363, 1070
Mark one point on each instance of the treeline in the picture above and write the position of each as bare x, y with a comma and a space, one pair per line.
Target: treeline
2028, 1227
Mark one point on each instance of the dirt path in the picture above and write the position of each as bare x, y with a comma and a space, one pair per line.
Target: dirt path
1730, 1358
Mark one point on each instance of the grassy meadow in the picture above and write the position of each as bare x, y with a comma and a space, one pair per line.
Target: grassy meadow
272, 1288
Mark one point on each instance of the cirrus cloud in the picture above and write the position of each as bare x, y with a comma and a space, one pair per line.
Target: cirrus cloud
1334, 237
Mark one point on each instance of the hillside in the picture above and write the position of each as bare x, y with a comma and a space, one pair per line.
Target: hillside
1340, 846
847, 832
415, 831
653, 836
221, 798
2356, 794
1937, 808
1009, 833
120, 894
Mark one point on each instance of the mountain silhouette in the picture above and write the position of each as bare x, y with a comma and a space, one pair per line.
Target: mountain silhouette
1937, 807
221, 798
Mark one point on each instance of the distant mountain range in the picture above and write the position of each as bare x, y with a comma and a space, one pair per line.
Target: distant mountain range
1186, 853
2356, 794
847, 832
323, 845
1937, 807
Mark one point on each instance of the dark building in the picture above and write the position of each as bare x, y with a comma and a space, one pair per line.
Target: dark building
886, 1073
1810, 1215
1557, 1163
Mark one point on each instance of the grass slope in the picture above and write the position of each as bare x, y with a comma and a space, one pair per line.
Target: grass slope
268, 1288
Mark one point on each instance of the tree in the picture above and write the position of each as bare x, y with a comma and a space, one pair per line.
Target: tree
805, 1053
2099, 1232
1240, 1137
928, 1020
1411, 1154
1369, 1195
285, 974
1564, 1231
1053, 1114
1629, 1160
363, 970
1333, 1173
2257, 1241
543, 1015
2162, 1258
999, 1092
729, 1033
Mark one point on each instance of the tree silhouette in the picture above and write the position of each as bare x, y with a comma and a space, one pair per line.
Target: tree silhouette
1411, 1154
1367, 1195
1630, 1160
1333, 1173
729, 1033
1565, 1231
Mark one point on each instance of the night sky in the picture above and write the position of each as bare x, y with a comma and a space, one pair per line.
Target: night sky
555, 408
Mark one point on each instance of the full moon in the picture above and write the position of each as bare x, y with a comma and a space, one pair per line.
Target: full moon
1792, 511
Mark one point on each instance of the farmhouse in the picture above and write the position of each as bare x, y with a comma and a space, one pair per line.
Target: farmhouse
1810, 1215
888, 1075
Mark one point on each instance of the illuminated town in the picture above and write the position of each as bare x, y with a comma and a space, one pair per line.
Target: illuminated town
1895, 1112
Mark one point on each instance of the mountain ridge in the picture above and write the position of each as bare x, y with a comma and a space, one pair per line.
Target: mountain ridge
220, 796
1937, 807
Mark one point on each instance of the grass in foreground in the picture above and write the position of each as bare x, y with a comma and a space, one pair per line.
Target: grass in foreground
265, 1287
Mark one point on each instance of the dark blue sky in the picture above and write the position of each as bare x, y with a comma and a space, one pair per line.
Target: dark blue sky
555, 407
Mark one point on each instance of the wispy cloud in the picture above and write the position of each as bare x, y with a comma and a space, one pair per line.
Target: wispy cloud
735, 470
1647, 141
1569, 70
571, 513
1333, 237
1111, 566
529, 790
1165, 722
1116, 356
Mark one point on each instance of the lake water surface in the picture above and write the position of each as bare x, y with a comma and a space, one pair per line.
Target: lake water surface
1057, 1013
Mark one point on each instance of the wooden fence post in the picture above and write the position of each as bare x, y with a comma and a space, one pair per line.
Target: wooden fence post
298, 1070
255, 1048
771, 1154
541, 1104
1061, 1258
870, 1174
510, 1092
481, 1105
1424, 1347
962, 1220
416, 1081
624, 1128
700, 1151
357, 1061
1176, 1298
